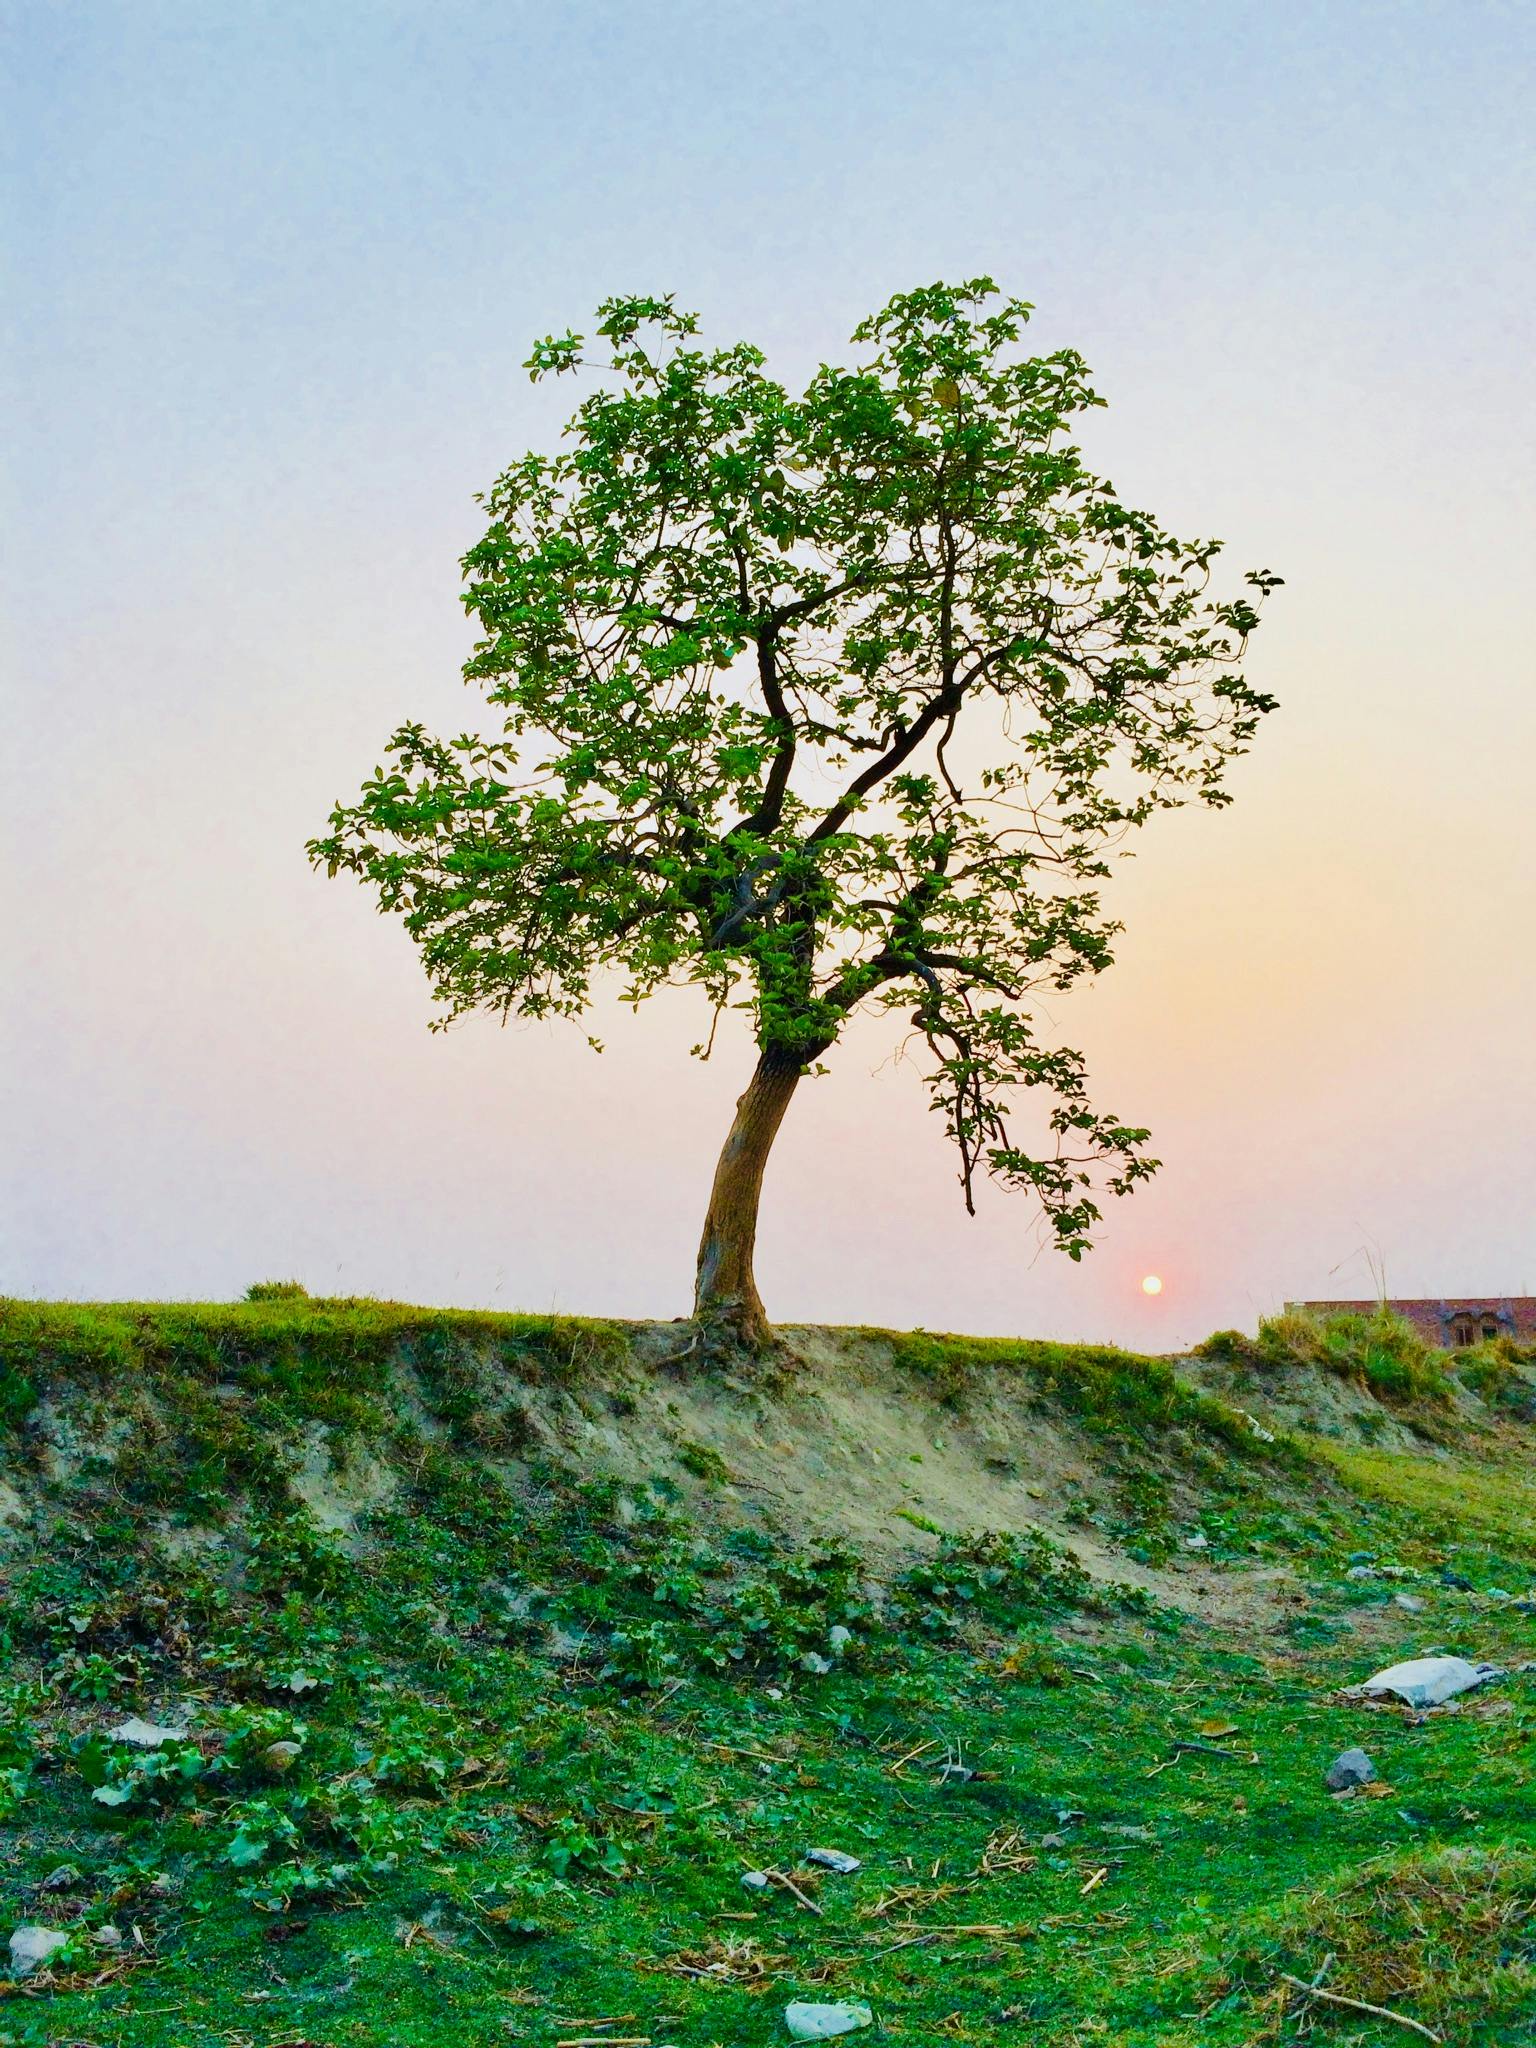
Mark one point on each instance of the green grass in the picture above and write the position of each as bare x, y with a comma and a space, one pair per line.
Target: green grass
494, 1769
1494, 1502
1379, 1352
1119, 1393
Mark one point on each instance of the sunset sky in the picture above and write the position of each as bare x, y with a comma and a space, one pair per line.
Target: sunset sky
270, 276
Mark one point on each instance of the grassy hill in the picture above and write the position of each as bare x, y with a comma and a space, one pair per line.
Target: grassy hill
504, 1648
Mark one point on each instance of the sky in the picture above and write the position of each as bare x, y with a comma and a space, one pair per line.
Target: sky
269, 276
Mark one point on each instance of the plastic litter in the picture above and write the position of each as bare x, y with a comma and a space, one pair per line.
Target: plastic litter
1427, 1681
144, 1734
825, 2022
834, 1859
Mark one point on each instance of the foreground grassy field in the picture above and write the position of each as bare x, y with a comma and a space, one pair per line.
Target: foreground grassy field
500, 1669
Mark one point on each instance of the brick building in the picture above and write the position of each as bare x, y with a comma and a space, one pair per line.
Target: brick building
1463, 1320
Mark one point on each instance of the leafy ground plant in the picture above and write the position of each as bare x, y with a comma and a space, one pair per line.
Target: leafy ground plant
422, 1793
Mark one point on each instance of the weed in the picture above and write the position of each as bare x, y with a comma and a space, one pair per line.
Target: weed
1377, 1350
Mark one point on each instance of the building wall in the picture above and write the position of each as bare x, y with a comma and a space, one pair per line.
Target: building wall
1462, 1319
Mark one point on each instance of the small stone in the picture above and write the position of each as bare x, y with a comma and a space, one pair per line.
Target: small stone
834, 1859
108, 1936
1409, 1602
1197, 1542
816, 1664
1354, 1767
144, 1734
808, 2022
1361, 1571
31, 1948
63, 1879
839, 1637
755, 1880
1053, 1841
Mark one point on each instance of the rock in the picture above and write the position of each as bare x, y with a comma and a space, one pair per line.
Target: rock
144, 1734
839, 1637
1457, 1581
1354, 1767
281, 1756
63, 1879
1427, 1681
108, 1936
1409, 1602
31, 1948
825, 2022
815, 1663
834, 1859
755, 1880
1361, 1571
1197, 1542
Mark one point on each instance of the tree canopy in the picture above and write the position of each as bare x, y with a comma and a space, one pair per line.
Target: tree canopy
820, 701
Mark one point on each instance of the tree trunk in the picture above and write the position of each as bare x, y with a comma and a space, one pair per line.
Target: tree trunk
725, 1294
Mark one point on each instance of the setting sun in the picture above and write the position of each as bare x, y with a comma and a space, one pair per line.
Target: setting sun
1152, 1284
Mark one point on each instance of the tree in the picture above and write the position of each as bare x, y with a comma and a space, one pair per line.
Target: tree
817, 702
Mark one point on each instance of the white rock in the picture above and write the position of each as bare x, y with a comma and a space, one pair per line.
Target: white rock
144, 1734
31, 1948
1197, 1542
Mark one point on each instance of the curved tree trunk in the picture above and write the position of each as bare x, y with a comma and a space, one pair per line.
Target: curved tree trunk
725, 1294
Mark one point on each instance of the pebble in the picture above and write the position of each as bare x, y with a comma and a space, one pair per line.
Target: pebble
755, 1880
31, 1948
834, 1859
1409, 1602
1354, 1767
